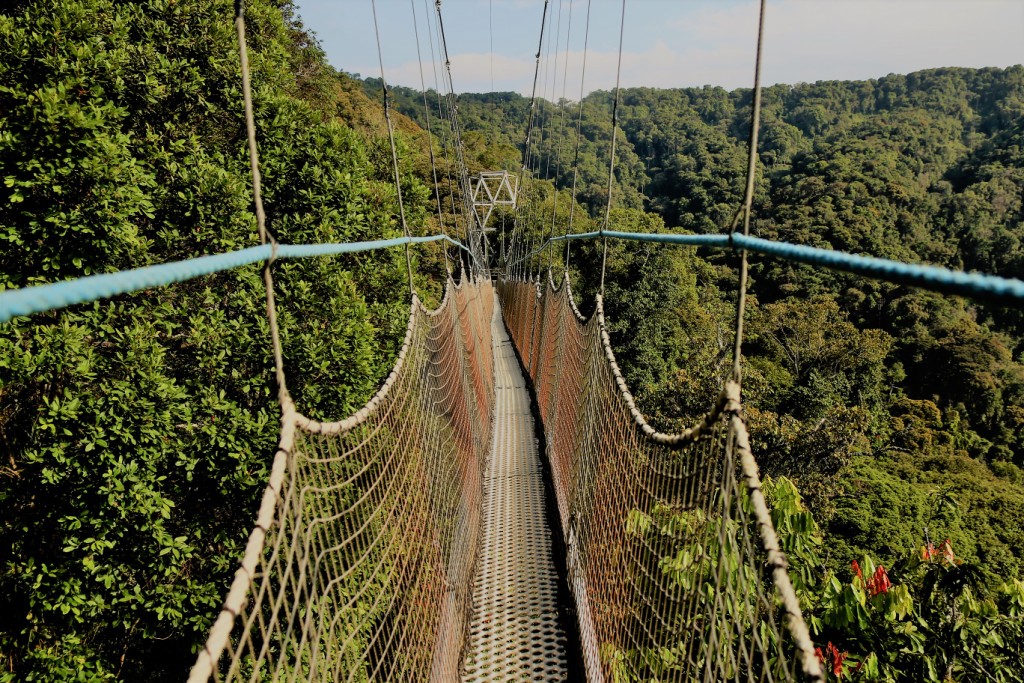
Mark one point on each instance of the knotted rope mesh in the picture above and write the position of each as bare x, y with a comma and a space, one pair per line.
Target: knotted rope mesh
360, 564
673, 559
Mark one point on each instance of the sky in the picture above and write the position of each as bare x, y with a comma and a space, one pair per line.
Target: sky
666, 43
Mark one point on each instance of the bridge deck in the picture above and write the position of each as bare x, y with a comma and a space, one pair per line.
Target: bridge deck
515, 631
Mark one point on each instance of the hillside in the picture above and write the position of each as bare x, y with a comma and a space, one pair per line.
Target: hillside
137, 432
879, 399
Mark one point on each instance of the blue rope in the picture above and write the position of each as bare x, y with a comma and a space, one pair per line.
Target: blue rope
29, 300
22, 302
689, 240
331, 249
974, 285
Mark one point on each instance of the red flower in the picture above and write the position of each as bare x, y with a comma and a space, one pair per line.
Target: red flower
856, 570
947, 551
819, 654
837, 658
879, 582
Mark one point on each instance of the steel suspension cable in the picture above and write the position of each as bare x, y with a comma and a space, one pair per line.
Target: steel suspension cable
518, 228
527, 211
543, 158
394, 150
553, 152
261, 217
611, 164
430, 133
537, 158
462, 169
561, 127
445, 132
527, 146
579, 136
755, 122
490, 33
550, 76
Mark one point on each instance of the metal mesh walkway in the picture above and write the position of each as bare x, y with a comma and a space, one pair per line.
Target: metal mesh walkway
672, 557
515, 633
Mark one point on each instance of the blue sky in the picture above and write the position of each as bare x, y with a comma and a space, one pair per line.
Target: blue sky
668, 43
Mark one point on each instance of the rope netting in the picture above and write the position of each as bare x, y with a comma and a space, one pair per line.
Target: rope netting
361, 560
673, 559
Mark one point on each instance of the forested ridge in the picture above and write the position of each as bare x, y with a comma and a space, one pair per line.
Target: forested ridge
137, 432
896, 411
926, 168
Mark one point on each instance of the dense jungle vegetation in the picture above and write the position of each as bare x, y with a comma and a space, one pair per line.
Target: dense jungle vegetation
895, 408
137, 432
897, 412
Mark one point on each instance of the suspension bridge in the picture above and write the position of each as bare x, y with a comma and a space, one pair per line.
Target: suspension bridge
500, 509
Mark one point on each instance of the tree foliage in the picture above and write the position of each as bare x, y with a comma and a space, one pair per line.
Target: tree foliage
137, 432
876, 399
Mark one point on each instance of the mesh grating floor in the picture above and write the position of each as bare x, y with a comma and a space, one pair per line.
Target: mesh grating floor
515, 632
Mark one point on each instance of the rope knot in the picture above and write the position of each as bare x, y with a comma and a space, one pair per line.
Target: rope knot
731, 397
273, 250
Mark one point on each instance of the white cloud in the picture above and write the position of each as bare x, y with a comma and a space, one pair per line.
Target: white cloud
840, 39
809, 41
805, 41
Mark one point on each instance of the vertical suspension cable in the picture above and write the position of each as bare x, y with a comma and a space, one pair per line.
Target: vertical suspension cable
611, 165
561, 130
462, 170
537, 151
529, 128
553, 65
490, 32
394, 151
550, 123
527, 147
579, 135
543, 159
748, 199
445, 132
430, 134
261, 217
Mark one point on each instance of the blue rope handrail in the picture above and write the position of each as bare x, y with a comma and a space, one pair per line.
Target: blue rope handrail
30, 300
39, 298
976, 285
1008, 291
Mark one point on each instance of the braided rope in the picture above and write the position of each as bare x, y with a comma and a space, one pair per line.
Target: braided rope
1008, 291
283, 397
359, 565
673, 560
54, 296
57, 295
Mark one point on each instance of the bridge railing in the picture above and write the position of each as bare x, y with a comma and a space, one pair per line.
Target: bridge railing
360, 563
673, 562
